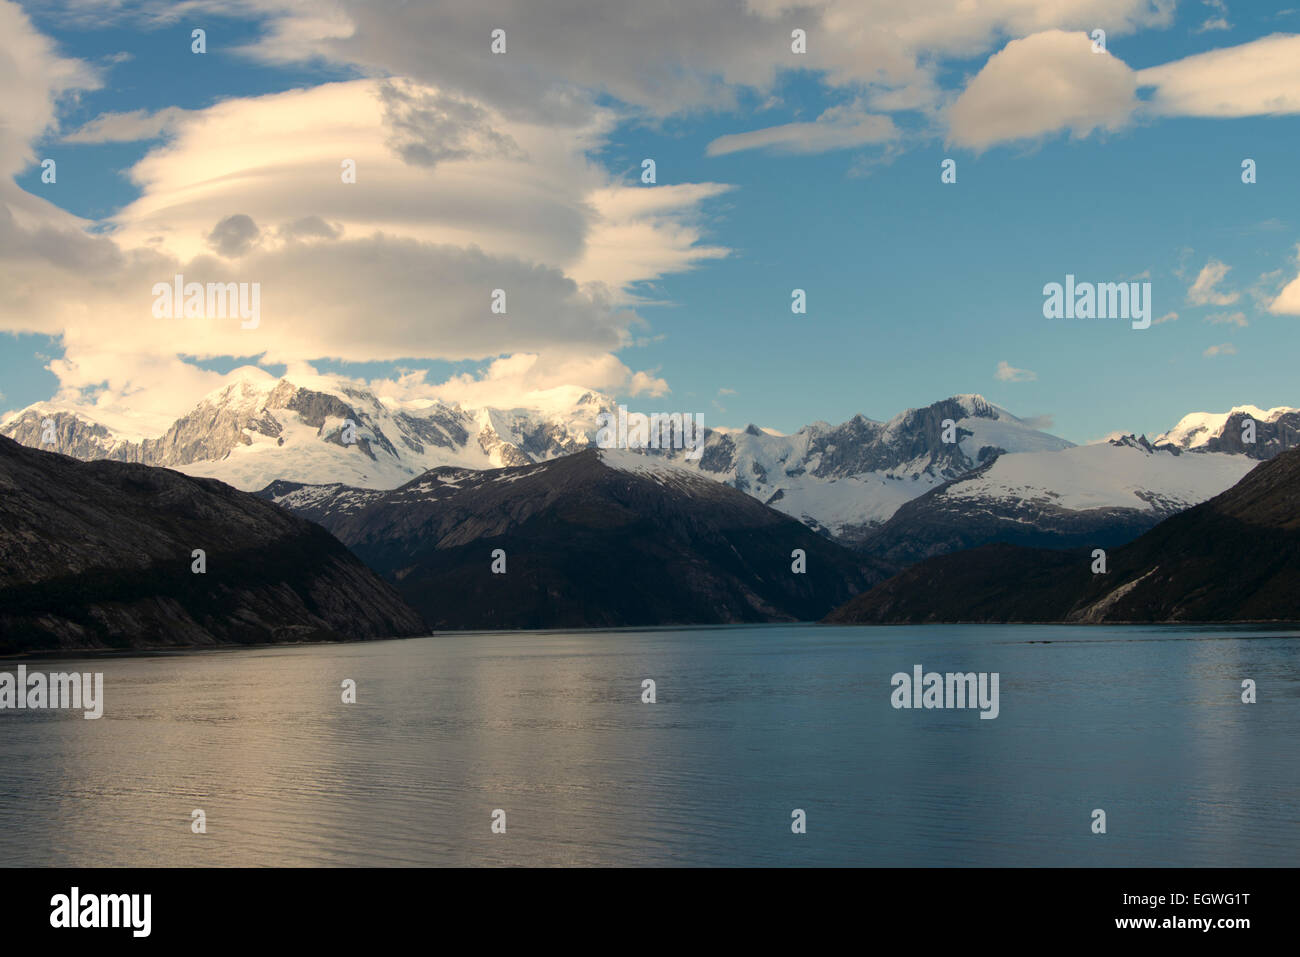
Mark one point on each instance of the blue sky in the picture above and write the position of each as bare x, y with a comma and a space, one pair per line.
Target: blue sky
916, 289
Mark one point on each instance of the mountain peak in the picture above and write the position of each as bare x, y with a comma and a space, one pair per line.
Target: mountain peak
1276, 429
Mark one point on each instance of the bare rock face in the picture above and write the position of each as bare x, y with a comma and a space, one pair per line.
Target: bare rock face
72, 436
101, 555
1271, 438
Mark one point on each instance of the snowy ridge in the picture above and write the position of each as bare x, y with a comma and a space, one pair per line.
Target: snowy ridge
845, 479
339, 498
1107, 476
663, 470
1196, 429
118, 428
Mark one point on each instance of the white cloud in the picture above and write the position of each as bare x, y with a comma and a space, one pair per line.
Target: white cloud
1204, 291
1287, 302
1217, 20
1009, 373
526, 380
643, 383
642, 233
672, 58
1223, 349
663, 60
1258, 78
127, 127
278, 157
1227, 319
400, 264
836, 128
1167, 317
33, 77
1052, 81
138, 396
1042, 84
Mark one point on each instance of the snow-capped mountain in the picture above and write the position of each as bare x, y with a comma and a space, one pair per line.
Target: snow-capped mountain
1099, 495
1235, 557
1276, 430
257, 428
998, 477
848, 478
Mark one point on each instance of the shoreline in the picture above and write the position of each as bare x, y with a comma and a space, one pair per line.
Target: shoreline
158, 651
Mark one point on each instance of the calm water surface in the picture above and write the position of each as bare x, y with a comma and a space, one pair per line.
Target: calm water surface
750, 723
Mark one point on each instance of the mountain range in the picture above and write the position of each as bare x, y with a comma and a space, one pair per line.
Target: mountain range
489, 518
893, 489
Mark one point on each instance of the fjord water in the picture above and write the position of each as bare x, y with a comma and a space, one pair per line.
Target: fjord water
1146, 723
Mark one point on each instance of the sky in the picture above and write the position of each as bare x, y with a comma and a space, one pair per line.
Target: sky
774, 170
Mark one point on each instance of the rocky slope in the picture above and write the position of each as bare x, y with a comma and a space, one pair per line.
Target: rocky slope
99, 555
600, 538
1235, 557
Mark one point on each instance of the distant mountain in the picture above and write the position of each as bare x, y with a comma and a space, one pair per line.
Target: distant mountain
1276, 430
258, 428
895, 488
1099, 495
845, 480
842, 480
1235, 557
599, 538
100, 555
